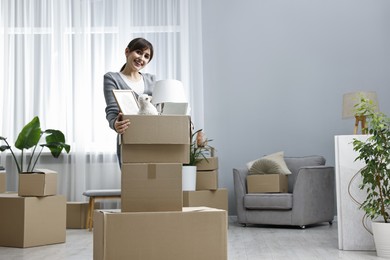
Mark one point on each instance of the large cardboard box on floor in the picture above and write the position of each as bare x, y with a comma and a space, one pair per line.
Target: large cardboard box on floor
267, 183
191, 234
32, 221
156, 139
207, 164
207, 180
41, 182
213, 199
3, 181
151, 187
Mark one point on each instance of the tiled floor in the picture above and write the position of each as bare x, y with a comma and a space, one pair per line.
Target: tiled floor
244, 243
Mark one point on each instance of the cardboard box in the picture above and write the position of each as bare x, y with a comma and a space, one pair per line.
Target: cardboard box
151, 187
207, 165
76, 214
207, 180
214, 199
191, 234
41, 182
267, 183
3, 181
156, 139
155, 153
32, 221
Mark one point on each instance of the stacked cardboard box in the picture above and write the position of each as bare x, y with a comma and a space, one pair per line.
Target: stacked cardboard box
207, 192
152, 223
31, 220
207, 174
153, 150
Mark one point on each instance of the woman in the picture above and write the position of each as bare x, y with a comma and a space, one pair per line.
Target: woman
139, 53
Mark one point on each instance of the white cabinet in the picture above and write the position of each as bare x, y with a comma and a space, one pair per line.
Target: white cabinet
351, 233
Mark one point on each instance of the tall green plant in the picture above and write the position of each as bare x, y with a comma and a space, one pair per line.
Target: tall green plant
29, 137
375, 153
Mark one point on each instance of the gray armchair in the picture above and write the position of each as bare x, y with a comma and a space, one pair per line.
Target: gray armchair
310, 197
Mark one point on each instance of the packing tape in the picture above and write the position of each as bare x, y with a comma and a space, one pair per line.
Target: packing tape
152, 171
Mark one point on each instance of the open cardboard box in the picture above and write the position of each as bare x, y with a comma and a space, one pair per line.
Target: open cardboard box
152, 138
156, 139
41, 182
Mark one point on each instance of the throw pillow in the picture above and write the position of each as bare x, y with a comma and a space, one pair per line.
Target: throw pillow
270, 164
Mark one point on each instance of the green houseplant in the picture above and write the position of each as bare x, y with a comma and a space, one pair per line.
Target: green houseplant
375, 175
28, 138
198, 147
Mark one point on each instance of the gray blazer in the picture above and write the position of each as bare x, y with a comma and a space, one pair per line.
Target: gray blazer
113, 80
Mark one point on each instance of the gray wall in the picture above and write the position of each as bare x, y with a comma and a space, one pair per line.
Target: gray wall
275, 72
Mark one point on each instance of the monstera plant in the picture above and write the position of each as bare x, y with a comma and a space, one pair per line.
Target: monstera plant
29, 138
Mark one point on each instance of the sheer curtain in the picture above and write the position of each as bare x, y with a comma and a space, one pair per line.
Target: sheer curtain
53, 58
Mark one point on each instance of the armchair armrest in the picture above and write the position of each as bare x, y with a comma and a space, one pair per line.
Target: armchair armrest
313, 195
239, 180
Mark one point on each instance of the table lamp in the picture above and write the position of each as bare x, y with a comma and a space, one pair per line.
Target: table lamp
350, 100
168, 91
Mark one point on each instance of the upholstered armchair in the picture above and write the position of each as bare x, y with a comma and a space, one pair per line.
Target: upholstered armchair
310, 198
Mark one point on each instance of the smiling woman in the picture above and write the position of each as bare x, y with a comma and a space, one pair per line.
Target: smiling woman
139, 53
57, 54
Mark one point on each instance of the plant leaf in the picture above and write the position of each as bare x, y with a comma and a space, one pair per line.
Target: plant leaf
54, 136
55, 141
4, 147
30, 135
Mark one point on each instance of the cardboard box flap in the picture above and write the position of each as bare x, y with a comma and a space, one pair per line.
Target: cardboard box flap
161, 129
40, 171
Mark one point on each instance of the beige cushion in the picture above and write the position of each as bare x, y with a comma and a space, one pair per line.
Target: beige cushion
270, 164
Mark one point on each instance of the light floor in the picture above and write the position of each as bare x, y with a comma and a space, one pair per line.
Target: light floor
244, 243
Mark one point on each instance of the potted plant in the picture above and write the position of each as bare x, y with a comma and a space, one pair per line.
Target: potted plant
198, 146
375, 153
28, 138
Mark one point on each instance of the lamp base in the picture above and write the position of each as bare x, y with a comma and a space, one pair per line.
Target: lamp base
362, 120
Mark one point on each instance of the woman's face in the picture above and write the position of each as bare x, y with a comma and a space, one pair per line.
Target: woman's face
137, 59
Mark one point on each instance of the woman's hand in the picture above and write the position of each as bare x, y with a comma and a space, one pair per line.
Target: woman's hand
121, 125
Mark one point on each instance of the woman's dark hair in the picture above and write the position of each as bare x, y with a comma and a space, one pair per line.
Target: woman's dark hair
139, 44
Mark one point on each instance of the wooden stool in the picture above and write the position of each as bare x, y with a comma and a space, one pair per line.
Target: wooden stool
95, 195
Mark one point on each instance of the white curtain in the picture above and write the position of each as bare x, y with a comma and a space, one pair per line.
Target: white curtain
53, 55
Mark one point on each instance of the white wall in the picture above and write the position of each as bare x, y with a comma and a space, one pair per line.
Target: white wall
275, 72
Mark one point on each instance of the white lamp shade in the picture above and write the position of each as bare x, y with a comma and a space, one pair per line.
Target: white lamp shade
353, 98
168, 90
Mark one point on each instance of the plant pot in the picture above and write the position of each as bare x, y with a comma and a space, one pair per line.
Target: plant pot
381, 231
189, 178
